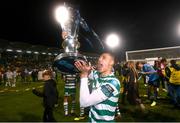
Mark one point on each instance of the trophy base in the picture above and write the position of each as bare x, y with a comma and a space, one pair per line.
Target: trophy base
64, 62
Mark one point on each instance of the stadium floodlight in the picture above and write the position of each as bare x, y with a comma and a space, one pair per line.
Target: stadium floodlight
28, 52
9, 50
49, 54
112, 41
178, 29
19, 51
62, 15
43, 53
36, 52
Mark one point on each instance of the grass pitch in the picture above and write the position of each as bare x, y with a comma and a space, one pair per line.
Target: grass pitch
20, 105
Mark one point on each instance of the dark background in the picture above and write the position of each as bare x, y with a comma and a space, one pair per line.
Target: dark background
139, 24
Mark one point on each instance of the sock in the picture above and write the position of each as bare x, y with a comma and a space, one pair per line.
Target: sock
81, 111
66, 108
73, 106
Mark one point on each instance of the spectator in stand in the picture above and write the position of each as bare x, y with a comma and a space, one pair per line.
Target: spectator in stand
4, 76
26, 71
34, 75
14, 78
9, 77
23, 76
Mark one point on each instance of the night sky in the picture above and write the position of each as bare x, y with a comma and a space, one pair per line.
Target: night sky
139, 24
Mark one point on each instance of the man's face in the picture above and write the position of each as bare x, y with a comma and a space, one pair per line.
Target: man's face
105, 63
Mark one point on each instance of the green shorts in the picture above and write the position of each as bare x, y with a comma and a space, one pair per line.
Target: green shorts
69, 91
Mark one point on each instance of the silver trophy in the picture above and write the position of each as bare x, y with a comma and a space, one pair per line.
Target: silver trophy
69, 20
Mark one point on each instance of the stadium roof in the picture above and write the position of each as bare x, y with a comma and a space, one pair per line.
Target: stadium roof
5, 44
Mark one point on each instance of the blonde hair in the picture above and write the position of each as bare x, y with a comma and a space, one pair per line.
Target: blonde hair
133, 68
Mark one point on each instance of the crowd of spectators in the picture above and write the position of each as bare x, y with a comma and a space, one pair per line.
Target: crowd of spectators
22, 69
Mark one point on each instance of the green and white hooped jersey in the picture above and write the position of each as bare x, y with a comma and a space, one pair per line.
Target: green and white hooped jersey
110, 86
70, 81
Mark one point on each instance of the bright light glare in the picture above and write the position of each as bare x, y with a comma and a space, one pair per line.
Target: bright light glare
36, 52
178, 30
19, 51
62, 15
49, 53
28, 52
112, 40
9, 50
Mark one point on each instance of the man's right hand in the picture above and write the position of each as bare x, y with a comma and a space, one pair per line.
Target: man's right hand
83, 67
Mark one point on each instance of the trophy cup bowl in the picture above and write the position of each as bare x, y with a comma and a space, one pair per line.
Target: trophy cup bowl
65, 62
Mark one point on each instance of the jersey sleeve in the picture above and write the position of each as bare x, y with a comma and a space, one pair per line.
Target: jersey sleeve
87, 98
111, 88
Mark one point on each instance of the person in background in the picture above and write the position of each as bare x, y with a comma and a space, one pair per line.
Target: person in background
133, 87
49, 94
14, 78
125, 72
158, 69
69, 92
34, 75
153, 78
23, 76
83, 111
174, 83
1, 76
9, 75
167, 73
4, 76
163, 64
